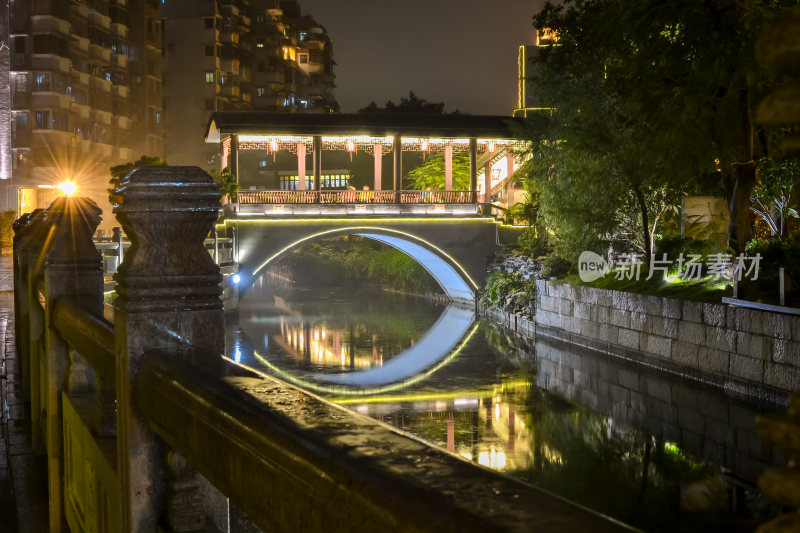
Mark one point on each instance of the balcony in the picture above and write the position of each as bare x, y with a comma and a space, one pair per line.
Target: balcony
82, 10
121, 122
101, 117
50, 100
50, 62
100, 84
81, 43
120, 91
49, 24
83, 146
99, 19
274, 77
119, 60
20, 100
230, 65
82, 111
104, 150
211, 62
119, 29
81, 78
230, 9
229, 37
123, 154
51, 138
21, 138
229, 90
98, 52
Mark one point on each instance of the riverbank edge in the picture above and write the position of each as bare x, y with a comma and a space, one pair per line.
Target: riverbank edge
749, 354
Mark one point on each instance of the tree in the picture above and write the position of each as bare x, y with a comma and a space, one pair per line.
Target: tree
431, 173
648, 95
226, 181
775, 197
120, 171
412, 104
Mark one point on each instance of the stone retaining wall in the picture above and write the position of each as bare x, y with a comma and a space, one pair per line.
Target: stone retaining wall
742, 350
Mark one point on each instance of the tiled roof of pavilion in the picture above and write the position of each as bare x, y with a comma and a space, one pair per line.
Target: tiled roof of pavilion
224, 123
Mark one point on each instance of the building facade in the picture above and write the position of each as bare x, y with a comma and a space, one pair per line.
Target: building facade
84, 94
231, 55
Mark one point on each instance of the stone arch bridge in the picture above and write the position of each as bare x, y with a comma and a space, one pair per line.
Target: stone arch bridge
454, 250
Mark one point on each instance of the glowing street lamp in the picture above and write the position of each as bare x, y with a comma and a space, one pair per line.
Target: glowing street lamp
67, 188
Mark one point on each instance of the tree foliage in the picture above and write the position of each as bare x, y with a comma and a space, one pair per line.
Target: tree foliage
648, 95
227, 182
775, 197
410, 104
120, 171
431, 173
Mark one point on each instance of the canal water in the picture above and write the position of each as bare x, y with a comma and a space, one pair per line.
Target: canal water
656, 452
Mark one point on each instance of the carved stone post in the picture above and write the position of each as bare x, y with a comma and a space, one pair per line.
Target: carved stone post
168, 297
73, 269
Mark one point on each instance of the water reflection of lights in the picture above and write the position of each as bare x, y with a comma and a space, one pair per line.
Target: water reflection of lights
306, 383
328, 349
493, 459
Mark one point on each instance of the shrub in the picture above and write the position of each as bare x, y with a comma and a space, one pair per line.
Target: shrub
555, 267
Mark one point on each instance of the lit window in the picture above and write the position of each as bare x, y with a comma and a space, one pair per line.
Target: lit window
303, 36
260, 42
260, 91
263, 163
210, 76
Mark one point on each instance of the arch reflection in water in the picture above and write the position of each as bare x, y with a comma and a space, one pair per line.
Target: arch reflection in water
439, 345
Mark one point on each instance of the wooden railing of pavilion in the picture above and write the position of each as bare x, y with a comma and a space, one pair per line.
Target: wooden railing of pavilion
355, 197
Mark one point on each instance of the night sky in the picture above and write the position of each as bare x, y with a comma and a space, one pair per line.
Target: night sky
460, 52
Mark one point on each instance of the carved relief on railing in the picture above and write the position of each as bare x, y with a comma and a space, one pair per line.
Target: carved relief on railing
167, 212
184, 500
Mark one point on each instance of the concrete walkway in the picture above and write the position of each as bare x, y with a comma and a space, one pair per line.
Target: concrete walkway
23, 481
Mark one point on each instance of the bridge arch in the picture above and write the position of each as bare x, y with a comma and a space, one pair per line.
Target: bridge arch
454, 279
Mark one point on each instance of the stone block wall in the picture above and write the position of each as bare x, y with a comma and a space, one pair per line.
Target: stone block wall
745, 351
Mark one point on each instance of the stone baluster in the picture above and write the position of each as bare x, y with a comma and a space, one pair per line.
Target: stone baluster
168, 297
73, 269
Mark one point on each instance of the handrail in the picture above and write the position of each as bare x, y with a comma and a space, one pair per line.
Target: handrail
92, 337
299, 452
354, 197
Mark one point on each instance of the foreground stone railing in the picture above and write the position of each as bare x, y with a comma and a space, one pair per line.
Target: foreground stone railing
146, 427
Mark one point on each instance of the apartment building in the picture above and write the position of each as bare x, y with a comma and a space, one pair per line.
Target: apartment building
229, 55
84, 94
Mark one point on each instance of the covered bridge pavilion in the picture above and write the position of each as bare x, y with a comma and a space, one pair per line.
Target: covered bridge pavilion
491, 142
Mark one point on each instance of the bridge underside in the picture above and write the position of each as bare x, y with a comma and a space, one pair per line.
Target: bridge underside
455, 251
